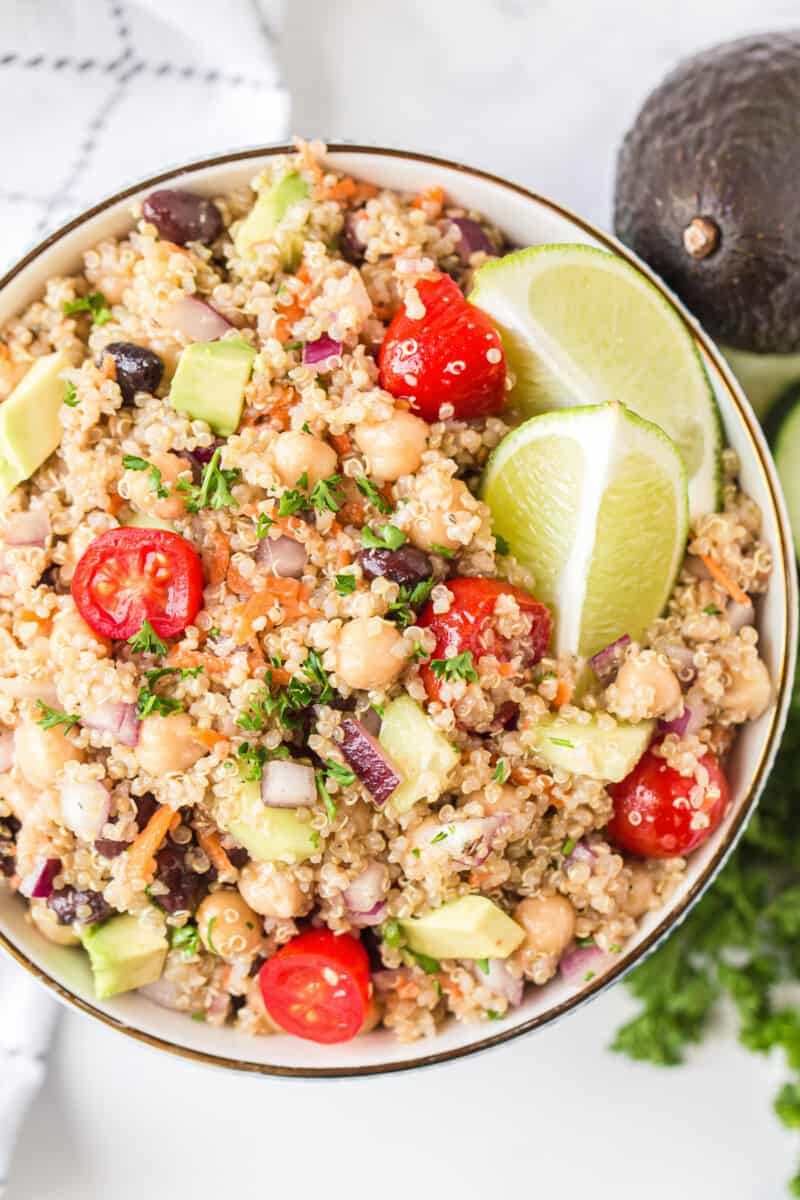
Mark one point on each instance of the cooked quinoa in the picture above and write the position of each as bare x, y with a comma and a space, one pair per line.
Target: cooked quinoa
274, 664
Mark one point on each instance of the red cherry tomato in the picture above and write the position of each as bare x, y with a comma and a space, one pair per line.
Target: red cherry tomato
653, 813
468, 625
317, 986
451, 355
127, 576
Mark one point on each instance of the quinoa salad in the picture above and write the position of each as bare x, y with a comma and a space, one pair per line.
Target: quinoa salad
272, 690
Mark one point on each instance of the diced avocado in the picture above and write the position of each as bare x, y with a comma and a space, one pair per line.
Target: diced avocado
140, 520
210, 381
588, 749
125, 954
418, 749
261, 223
470, 927
30, 427
271, 834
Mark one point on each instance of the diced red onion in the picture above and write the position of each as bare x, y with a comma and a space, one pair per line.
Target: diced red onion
7, 750
739, 615
367, 889
375, 916
583, 961
369, 760
468, 842
204, 454
320, 351
606, 661
389, 979
681, 659
371, 720
473, 238
498, 979
85, 807
691, 720
110, 847
116, 718
162, 992
581, 852
286, 784
30, 528
695, 566
38, 885
195, 319
285, 556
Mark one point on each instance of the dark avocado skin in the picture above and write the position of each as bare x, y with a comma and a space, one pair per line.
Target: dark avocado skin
720, 138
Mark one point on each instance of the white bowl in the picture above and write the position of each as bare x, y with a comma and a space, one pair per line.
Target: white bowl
527, 219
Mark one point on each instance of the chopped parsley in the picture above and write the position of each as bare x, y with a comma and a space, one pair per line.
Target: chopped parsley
285, 703
568, 847
501, 771
51, 717
403, 610
342, 774
562, 742
209, 939
214, 490
186, 938
327, 495
147, 641
493, 1015
391, 933
324, 795
132, 462
501, 546
70, 395
419, 653
371, 492
306, 428
151, 701
386, 537
460, 666
445, 551
95, 303
252, 760
711, 610
584, 943
483, 965
345, 584
429, 965
292, 501
589, 975
263, 525
440, 837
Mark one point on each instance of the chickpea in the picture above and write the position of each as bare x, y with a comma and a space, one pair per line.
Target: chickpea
273, 891
394, 447
70, 630
640, 892
227, 925
49, 925
370, 654
298, 454
168, 744
549, 923
41, 753
433, 527
644, 688
749, 690
18, 794
144, 497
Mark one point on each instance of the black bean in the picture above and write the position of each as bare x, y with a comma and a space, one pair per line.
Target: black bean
237, 856
351, 246
146, 805
185, 888
183, 217
407, 565
66, 902
8, 862
109, 848
11, 824
137, 368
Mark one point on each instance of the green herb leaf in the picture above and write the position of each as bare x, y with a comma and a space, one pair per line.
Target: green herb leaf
214, 490
345, 584
263, 525
501, 546
185, 938
460, 666
391, 933
292, 501
51, 717
483, 965
324, 795
445, 551
403, 610
386, 537
342, 774
711, 610
70, 395
147, 641
562, 742
95, 303
568, 847
501, 771
327, 494
371, 492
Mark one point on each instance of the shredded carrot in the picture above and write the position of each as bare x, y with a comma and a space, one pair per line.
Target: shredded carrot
216, 742
342, 189
364, 191
114, 504
505, 669
182, 656
292, 526
724, 580
408, 989
210, 843
141, 857
430, 200
343, 558
216, 557
239, 583
563, 693
341, 443
290, 593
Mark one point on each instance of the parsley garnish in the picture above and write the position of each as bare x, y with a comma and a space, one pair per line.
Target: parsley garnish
562, 742
95, 303
210, 937
429, 965
254, 758
568, 847
215, 484
343, 775
70, 395
493, 1015
501, 546
186, 939
584, 943
403, 610
445, 551
292, 501
52, 717
711, 610
286, 703
147, 641
460, 666
501, 771
368, 489
324, 795
440, 837
589, 975
263, 525
387, 537
345, 584
132, 462
419, 653
150, 701
306, 428
327, 495
391, 933
483, 965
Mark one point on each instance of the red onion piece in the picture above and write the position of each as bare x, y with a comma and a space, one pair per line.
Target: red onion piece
110, 847
677, 725
375, 916
681, 659
369, 760
468, 842
285, 556
691, 720
499, 980
30, 528
606, 661
320, 351
85, 808
371, 720
7, 750
582, 961
38, 885
116, 718
286, 784
367, 889
695, 566
740, 615
390, 978
473, 238
195, 319
581, 852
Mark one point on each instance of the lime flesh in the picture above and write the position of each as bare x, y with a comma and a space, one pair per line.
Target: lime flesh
581, 326
593, 501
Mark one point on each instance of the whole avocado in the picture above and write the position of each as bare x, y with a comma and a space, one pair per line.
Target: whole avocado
707, 189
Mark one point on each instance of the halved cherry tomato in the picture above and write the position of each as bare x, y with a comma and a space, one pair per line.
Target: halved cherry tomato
317, 986
451, 355
468, 625
127, 576
653, 812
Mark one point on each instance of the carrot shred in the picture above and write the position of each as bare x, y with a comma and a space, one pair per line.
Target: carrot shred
216, 742
114, 504
342, 189
721, 576
563, 693
364, 191
430, 200
239, 583
215, 852
216, 557
141, 857
290, 593
341, 443
182, 656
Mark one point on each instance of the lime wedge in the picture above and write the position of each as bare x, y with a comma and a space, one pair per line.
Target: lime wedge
581, 326
593, 501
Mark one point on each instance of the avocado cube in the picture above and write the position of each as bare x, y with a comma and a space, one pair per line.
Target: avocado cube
138, 520
124, 954
30, 424
261, 223
586, 749
418, 749
470, 927
210, 380
271, 834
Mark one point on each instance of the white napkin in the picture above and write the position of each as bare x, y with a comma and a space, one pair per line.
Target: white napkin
97, 94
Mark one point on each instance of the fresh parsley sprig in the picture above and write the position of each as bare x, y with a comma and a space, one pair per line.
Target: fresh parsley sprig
371, 492
403, 610
132, 462
150, 701
386, 537
51, 717
460, 666
95, 303
214, 490
147, 641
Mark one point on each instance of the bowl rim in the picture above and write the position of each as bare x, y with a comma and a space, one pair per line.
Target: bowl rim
784, 563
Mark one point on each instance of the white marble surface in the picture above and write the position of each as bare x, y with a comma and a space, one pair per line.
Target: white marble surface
540, 91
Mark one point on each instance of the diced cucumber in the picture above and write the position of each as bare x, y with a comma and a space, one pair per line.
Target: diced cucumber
419, 750
586, 749
139, 520
271, 834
